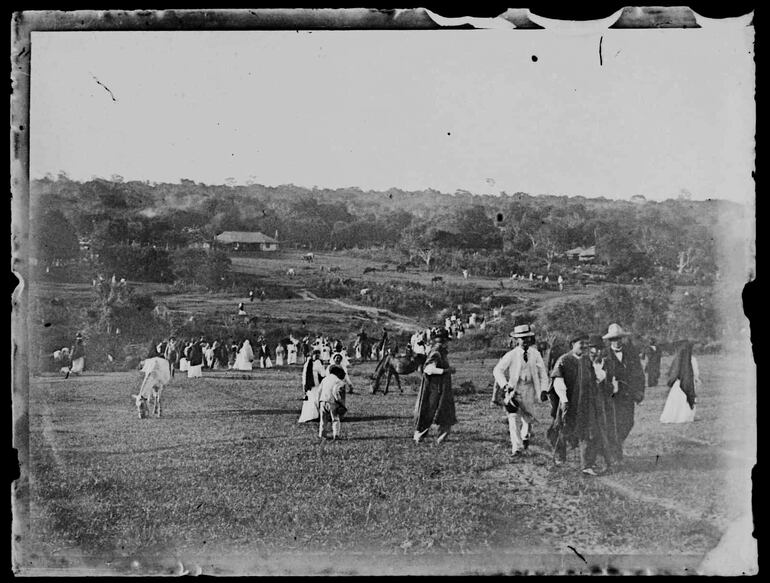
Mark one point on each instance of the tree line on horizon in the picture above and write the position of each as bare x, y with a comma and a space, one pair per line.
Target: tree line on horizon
430, 228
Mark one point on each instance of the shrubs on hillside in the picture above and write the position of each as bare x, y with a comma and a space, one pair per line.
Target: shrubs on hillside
209, 268
693, 316
136, 263
646, 310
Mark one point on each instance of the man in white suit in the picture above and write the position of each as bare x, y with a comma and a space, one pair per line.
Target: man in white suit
522, 375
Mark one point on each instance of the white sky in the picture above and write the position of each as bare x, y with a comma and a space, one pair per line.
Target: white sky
668, 110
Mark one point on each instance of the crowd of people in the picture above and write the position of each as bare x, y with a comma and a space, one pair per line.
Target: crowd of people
592, 387
193, 355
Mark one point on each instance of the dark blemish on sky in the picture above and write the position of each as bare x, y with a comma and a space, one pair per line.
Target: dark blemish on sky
499, 217
449, 133
105, 87
534, 58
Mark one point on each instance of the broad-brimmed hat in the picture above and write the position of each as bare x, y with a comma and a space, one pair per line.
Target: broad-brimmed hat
579, 335
595, 341
615, 331
522, 331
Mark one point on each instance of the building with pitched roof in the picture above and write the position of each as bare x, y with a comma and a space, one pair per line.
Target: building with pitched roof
247, 241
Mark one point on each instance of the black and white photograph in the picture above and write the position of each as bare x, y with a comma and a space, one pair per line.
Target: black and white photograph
382, 292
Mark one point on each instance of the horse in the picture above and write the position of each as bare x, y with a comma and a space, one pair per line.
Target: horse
395, 365
309, 257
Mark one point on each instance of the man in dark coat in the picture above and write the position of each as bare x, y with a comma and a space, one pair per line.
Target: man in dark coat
652, 366
580, 420
597, 355
626, 378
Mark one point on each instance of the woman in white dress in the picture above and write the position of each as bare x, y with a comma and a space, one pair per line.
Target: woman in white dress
184, 362
326, 352
279, 354
291, 352
245, 357
684, 380
312, 374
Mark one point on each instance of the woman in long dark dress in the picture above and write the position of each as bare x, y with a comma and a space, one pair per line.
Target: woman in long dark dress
435, 402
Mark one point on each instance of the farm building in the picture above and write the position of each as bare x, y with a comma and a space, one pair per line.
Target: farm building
582, 254
246, 241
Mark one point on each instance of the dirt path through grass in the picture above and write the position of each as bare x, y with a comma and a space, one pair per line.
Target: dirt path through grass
398, 321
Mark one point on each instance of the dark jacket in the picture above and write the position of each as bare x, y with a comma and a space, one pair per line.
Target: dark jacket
628, 373
196, 354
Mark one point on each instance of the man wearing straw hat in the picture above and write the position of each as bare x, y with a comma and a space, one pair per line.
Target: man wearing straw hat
626, 378
521, 373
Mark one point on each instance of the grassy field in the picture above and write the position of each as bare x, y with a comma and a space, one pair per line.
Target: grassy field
227, 482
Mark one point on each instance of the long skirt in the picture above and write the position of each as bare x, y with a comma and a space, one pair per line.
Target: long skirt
265, 362
279, 360
78, 365
242, 363
310, 407
184, 364
195, 371
291, 356
676, 409
435, 404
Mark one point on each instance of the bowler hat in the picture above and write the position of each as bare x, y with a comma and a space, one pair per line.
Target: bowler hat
522, 331
614, 331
